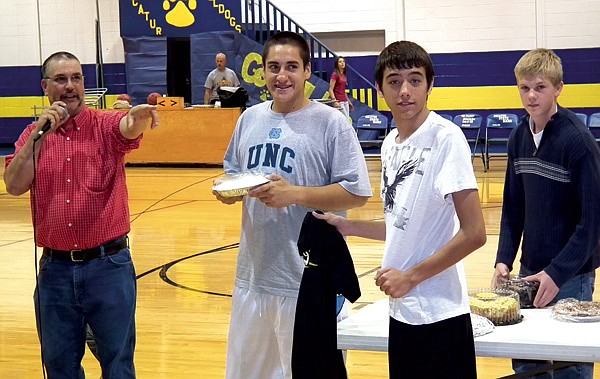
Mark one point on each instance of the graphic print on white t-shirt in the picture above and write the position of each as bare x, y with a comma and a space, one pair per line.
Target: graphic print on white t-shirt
402, 176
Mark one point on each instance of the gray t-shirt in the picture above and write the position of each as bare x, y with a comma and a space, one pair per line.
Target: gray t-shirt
314, 146
216, 79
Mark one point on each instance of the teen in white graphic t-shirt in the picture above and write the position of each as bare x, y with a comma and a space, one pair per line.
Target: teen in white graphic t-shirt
432, 221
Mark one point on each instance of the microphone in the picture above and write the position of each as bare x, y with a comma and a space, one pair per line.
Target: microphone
48, 125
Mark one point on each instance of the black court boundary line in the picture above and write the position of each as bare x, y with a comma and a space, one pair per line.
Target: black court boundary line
15, 242
153, 205
369, 272
165, 268
156, 209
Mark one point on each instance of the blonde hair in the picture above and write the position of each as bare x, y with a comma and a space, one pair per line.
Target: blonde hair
543, 62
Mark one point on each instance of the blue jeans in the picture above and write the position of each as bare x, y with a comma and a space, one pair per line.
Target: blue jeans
580, 287
101, 293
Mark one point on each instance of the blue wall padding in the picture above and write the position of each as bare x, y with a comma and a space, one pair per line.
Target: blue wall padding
493, 68
146, 67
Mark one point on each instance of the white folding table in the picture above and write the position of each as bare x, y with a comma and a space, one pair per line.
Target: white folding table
538, 336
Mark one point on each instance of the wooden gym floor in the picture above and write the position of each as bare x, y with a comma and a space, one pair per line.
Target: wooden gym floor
184, 245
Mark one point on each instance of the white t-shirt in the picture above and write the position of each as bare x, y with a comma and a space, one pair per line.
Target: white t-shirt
537, 137
419, 177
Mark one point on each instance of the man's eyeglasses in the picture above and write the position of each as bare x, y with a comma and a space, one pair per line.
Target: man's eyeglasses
63, 80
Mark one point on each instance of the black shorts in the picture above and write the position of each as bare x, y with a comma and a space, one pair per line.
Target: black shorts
444, 349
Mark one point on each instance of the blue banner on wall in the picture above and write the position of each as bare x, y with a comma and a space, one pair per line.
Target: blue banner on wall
178, 18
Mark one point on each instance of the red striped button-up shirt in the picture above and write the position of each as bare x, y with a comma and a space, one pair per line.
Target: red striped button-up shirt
80, 189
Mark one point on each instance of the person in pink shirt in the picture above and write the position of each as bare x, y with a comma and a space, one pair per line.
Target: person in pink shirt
71, 160
337, 86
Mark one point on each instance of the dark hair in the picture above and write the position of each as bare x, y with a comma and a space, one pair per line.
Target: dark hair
55, 57
403, 55
336, 66
288, 38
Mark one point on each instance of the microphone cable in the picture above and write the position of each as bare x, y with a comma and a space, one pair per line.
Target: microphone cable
33, 193
37, 278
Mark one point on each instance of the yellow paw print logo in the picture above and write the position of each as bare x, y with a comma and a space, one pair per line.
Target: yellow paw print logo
180, 16
264, 95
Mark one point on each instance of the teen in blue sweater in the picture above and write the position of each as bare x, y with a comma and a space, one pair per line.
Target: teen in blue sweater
551, 196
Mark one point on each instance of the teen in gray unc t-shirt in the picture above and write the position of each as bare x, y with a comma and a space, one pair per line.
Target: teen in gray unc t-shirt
314, 146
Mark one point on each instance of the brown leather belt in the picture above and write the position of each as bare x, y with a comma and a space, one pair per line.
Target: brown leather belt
80, 256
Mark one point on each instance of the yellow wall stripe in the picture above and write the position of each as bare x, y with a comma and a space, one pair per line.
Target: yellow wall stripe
442, 98
504, 97
20, 106
23, 106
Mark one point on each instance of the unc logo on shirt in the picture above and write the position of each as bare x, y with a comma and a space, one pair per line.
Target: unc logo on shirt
275, 133
271, 155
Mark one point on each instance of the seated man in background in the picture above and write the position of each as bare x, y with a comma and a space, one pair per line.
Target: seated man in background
222, 76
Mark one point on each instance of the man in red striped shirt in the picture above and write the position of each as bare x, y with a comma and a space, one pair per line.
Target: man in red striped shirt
72, 162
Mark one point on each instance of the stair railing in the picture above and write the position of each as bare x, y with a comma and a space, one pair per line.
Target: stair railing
261, 19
